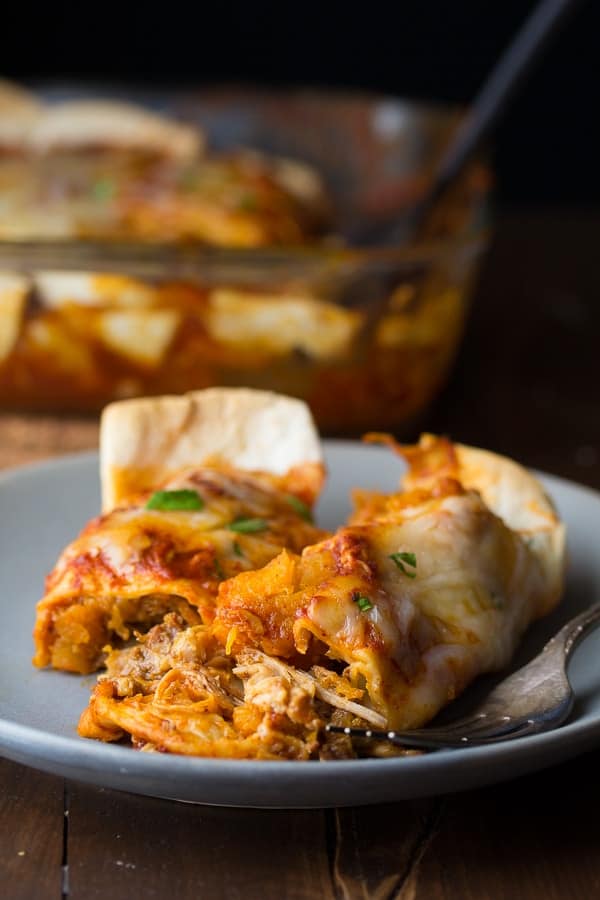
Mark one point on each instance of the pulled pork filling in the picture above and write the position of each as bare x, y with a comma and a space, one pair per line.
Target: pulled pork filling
133, 565
79, 633
176, 690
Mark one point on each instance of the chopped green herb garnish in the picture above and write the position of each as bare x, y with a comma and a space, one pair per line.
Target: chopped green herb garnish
405, 559
248, 526
247, 203
300, 507
237, 549
104, 189
219, 569
497, 600
363, 603
189, 180
167, 500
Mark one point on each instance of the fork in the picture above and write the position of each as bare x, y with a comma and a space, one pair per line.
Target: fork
534, 699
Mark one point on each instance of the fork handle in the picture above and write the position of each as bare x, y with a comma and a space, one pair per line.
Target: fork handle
574, 631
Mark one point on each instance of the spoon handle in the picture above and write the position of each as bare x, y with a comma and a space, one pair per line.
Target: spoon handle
484, 113
498, 89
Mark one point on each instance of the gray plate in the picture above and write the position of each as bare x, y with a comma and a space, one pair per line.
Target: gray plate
42, 507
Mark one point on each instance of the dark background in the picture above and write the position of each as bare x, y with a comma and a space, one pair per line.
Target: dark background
546, 150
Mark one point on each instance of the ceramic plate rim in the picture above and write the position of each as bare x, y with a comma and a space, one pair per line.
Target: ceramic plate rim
44, 750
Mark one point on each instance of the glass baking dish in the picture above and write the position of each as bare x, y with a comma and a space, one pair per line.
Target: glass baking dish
366, 335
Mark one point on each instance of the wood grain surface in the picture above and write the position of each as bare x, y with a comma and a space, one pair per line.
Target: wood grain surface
31, 831
527, 385
26, 439
122, 845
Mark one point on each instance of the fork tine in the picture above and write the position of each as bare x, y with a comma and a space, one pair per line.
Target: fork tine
524, 728
471, 727
539, 695
422, 740
479, 724
429, 739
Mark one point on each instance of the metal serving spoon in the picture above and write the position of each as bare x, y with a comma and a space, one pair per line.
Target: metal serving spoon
369, 288
536, 698
507, 77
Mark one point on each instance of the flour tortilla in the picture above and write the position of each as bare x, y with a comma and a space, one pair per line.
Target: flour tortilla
509, 490
144, 442
78, 124
14, 289
19, 110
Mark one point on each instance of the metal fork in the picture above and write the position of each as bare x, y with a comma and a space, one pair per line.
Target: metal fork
536, 698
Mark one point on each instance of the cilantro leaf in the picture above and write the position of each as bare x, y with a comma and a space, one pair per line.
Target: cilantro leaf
405, 559
363, 603
300, 507
247, 203
248, 526
104, 189
168, 500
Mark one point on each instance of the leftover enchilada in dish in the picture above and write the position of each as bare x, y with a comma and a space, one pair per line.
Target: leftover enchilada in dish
109, 169
381, 623
266, 306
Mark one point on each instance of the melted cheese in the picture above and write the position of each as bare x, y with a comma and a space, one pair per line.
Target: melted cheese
422, 634
13, 294
143, 336
280, 324
135, 564
384, 622
60, 289
55, 342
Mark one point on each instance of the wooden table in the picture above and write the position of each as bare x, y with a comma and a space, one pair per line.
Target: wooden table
527, 384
